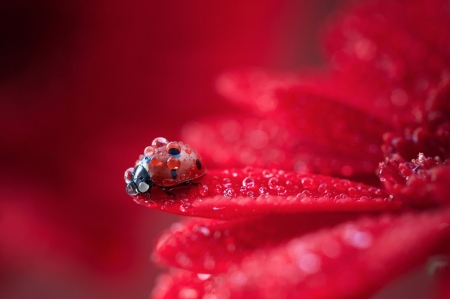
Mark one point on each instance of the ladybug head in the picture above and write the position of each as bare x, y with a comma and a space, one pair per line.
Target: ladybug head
140, 181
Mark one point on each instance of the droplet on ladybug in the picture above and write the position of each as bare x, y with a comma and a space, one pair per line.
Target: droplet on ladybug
159, 142
173, 163
155, 162
173, 148
149, 151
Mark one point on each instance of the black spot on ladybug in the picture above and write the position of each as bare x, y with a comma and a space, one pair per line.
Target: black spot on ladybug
173, 172
199, 164
174, 151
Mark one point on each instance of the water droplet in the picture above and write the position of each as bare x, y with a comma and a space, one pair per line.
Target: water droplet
149, 151
203, 190
173, 148
251, 194
341, 196
262, 190
323, 188
304, 194
281, 190
248, 182
204, 230
273, 183
248, 170
203, 276
188, 150
159, 141
226, 182
185, 206
342, 185
267, 173
155, 162
228, 193
128, 175
218, 189
173, 163
308, 183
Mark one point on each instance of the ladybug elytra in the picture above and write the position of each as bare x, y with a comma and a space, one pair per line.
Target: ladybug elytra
164, 164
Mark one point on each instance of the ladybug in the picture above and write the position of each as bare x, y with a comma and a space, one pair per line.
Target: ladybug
166, 165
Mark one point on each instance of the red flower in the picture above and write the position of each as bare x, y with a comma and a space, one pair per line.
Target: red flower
279, 231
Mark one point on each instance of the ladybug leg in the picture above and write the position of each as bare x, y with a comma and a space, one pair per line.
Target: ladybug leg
171, 194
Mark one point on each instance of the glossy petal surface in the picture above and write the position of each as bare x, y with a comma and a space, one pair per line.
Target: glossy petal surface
235, 193
353, 259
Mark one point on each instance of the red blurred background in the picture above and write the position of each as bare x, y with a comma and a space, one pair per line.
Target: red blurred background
84, 87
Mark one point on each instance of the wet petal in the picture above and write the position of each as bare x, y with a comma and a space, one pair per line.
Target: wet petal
306, 140
381, 50
354, 259
212, 246
249, 192
420, 183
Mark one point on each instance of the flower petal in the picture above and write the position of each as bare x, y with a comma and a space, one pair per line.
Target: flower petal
235, 193
420, 183
212, 246
305, 140
354, 259
390, 56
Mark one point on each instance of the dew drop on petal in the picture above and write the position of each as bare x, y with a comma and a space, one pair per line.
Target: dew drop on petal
262, 190
149, 151
203, 276
203, 190
248, 182
228, 193
323, 188
267, 173
173, 163
281, 190
185, 206
159, 141
273, 183
128, 175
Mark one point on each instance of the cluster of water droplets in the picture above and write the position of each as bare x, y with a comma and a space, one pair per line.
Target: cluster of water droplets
290, 185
